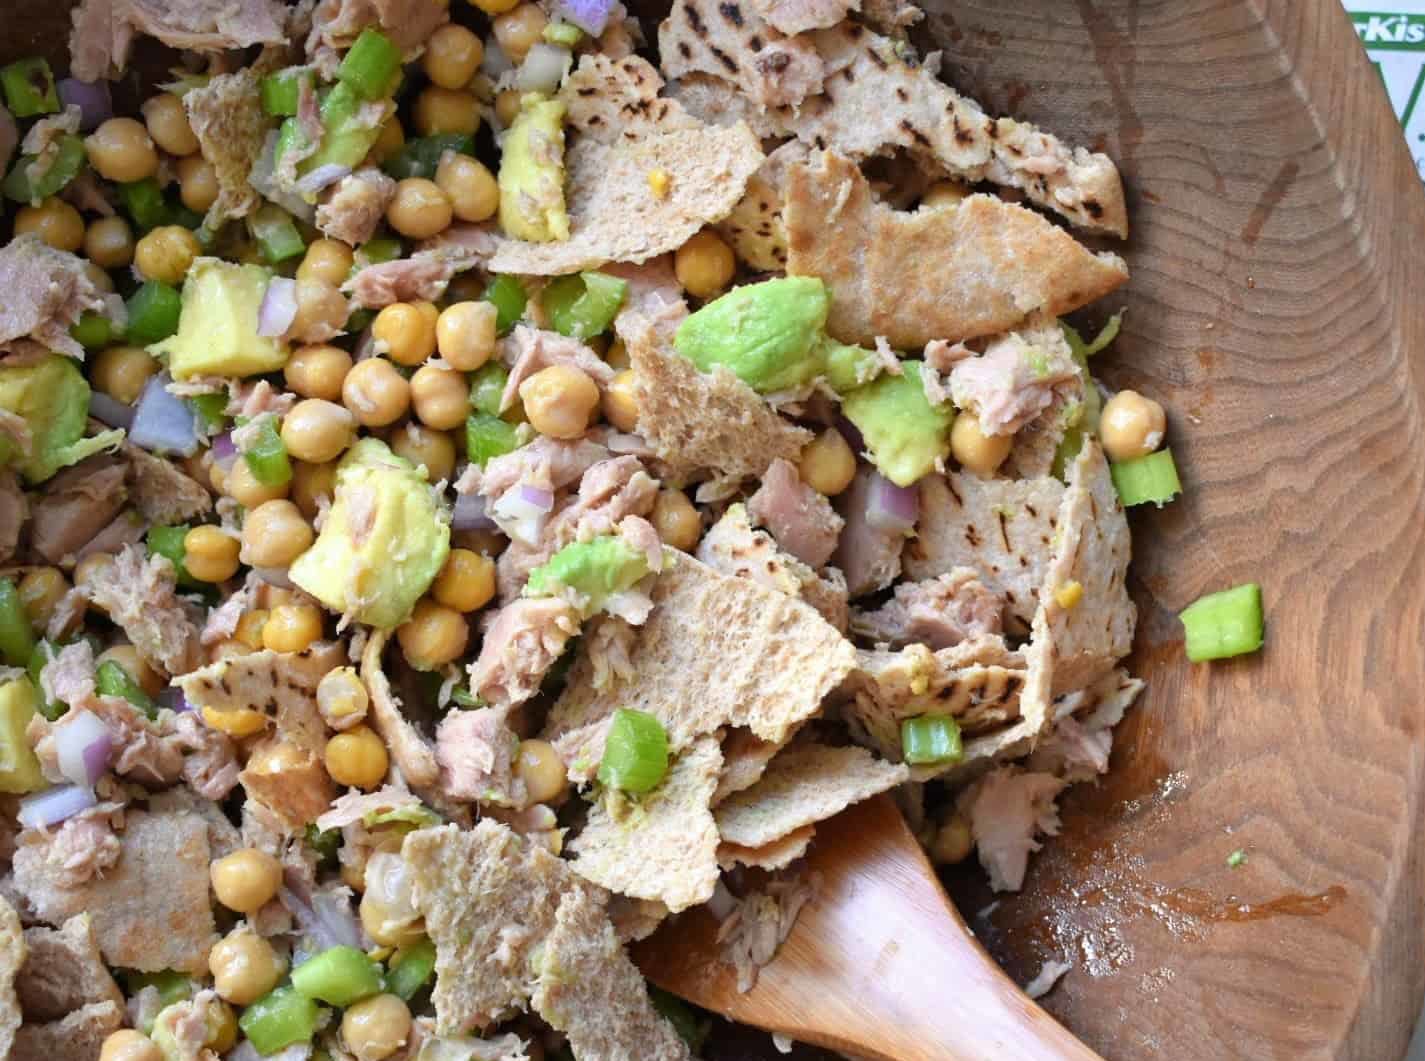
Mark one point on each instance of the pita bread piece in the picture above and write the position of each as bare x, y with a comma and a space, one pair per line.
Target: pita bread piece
12, 957
610, 99
771, 857
728, 39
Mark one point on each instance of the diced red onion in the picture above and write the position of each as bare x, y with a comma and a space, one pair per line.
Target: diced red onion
322, 176
109, 410
536, 496
163, 423
890, 507
46, 809
278, 309
91, 97
325, 915
224, 452
521, 511
83, 745
173, 699
469, 514
543, 68
591, 16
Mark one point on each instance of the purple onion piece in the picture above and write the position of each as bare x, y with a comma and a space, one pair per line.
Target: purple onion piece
470, 514
91, 97
591, 16
46, 809
173, 699
83, 746
109, 411
890, 507
163, 423
278, 309
321, 177
224, 452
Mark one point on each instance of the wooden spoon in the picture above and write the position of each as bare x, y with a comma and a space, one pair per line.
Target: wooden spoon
879, 963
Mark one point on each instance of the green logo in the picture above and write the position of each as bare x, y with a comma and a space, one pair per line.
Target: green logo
1390, 32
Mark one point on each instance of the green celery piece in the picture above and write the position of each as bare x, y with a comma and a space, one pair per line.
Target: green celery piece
267, 459
93, 331
1152, 478
171, 987
276, 235
583, 305
111, 679
509, 297
419, 158
372, 65
692, 1028
487, 386
168, 543
289, 137
325, 842
29, 87
1082, 350
564, 34
17, 640
44, 652
143, 202
410, 969
153, 312
635, 752
212, 410
339, 976
376, 251
359, 321
1224, 624
281, 91
487, 437
281, 1018
178, 214
345, 139
68, 162
462, 697
931, 739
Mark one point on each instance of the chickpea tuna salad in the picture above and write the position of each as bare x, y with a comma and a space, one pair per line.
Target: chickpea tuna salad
470, 492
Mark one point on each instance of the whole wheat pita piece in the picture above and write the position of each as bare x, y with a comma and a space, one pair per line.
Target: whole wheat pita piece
662, 846
609, 100
77, 1035
12, 957
1004, 529
728, 39
779, 854
980, 268
716, 651
618, 215
755, 227
63, 970
714, 101
744, 760
805, 784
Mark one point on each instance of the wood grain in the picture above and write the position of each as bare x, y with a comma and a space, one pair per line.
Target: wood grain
1275, 308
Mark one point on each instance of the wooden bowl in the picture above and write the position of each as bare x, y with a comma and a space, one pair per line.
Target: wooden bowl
1274, 308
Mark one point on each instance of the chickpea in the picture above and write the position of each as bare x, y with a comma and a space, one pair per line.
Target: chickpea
109, 243
407, 332
621, 402
317, 430
168, 124
466, 582
244, 967
90, 568
243, 488
420, 209
126, 1044
541, 770
443, 110
311, 482
704, 264
453, 54
40, 592
121, 372
975, 450
440, 397
249, 628
246, 880
1131, 426
495, 7
99, 277
127, 656
210, 554
434, 635
945, 193
328, 260
560, 400
317, 371
389, 142
357, 758
342, 698
507, 106
54, 221
121, 150
489, 543
422, 445
469, 185
952, 842
275, 534
518, 31
292, 627
245, 721
166, 253
375, 392
617, 355
676, 520
322, 311
465, 334
376, 1027
827, 464
197, 183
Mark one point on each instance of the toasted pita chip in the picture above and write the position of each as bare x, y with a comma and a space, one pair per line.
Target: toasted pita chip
80, 1034
227, 117
777, 855
728, 39
803, 785
755, 228
1004, 529
797, 16
635, 919
744, 760
978, 269
409, 749
617, 99
282, 685
289, 781
63, 971
12, 956
716, 651
662, 847
714, 101
615, 215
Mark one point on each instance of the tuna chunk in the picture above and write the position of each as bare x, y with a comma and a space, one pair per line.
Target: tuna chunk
870, 557
46, 291
528, 350
422, 278
76, 506
940, 613
476, 750
548, 463
520, 646
103, 30
140, 597
355, 205
82, 848
801, 519
163, 493
1015, 379
227, 117
1007, 808
409, 23
14, 510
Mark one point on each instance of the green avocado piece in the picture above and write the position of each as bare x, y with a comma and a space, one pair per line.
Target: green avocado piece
532, 173
52, 397
217, 328
383, 542
596, 570
904, 432
19, 766
771, 336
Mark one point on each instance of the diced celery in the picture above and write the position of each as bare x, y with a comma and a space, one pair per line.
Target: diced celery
635, 752
1224, 624
153, 312
419, 158
371, 66
111, 679
339, 975
279, 1019
282, 91
171, 987
509, 297
143, 202
1082, 350
93, 331
376, 251
410, 969
29, 87
487, 437
487, 386
45, 651
276, 235
16, 639
348, 133
930, 739
68, 161
325, 842
583, 305
564, 34
211, 409
168, 542
1152, 478
267, 457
